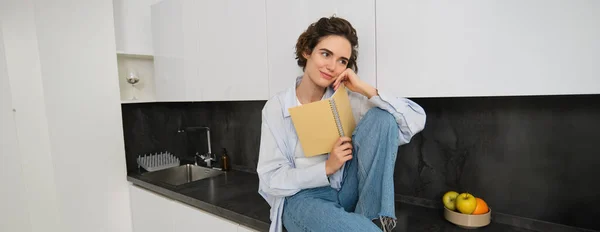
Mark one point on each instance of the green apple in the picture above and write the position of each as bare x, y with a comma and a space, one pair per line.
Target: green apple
466, 203
449, 200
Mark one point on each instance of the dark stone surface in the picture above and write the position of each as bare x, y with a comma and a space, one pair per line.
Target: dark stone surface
422, 219
234, 196
531, 157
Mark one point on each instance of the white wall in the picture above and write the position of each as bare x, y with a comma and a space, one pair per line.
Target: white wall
25, 80
12, 197
61, 63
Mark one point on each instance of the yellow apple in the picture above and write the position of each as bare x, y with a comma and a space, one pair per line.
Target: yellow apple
449, 200
466, 203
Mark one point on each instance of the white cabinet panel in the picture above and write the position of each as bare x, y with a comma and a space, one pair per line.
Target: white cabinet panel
191, 41
245, 63
212, 54
168, 79
286, 20
431, 48
220, 48
232, 54
187, 218
133, 30
150, 211
169, 68
167, 29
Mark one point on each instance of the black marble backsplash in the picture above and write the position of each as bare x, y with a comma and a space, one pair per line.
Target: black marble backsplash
154, 127
535, 157
532, 156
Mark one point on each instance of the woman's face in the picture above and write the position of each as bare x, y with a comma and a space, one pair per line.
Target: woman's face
327, 60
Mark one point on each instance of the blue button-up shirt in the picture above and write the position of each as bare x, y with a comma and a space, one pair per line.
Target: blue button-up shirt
279, 176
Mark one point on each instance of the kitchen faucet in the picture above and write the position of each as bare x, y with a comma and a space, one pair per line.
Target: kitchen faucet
209, 157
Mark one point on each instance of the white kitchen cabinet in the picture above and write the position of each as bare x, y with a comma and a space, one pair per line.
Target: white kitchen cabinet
152, 212
133, 31
187, 218
286, 20
210, 50
170, 67
233, 50
429, 48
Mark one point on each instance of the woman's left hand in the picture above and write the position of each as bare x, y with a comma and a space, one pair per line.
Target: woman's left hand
354, 84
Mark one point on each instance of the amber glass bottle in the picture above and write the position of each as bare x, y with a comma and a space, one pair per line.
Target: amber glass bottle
225, 160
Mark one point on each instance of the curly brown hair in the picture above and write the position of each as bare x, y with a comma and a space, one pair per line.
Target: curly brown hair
324, 27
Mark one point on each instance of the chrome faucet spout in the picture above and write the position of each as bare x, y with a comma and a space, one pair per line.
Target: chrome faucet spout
209, 156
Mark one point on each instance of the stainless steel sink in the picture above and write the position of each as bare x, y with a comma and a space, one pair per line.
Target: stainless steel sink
182, 174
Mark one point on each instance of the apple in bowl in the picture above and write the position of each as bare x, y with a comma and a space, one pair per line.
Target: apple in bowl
449, 199
466, 203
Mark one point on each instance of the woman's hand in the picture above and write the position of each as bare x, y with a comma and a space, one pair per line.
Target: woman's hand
341, 152
355, 84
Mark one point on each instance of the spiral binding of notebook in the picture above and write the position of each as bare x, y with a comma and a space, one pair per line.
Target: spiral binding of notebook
336, 116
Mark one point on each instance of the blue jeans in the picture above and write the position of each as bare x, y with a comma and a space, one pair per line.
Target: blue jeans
367, 191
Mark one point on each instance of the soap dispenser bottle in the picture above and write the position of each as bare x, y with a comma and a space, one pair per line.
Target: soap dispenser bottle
225, 160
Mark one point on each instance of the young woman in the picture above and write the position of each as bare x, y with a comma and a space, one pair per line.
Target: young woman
351, 187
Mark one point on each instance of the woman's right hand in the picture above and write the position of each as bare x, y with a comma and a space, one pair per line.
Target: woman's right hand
341, 152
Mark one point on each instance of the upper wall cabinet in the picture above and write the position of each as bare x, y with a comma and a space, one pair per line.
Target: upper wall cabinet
233, 50
210, 50
429, 48
133, 32
171, 70
286, 20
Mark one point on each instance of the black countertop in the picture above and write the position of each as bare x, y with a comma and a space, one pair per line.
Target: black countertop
234, 196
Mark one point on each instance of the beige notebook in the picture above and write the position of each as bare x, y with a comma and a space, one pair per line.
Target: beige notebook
320, 124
